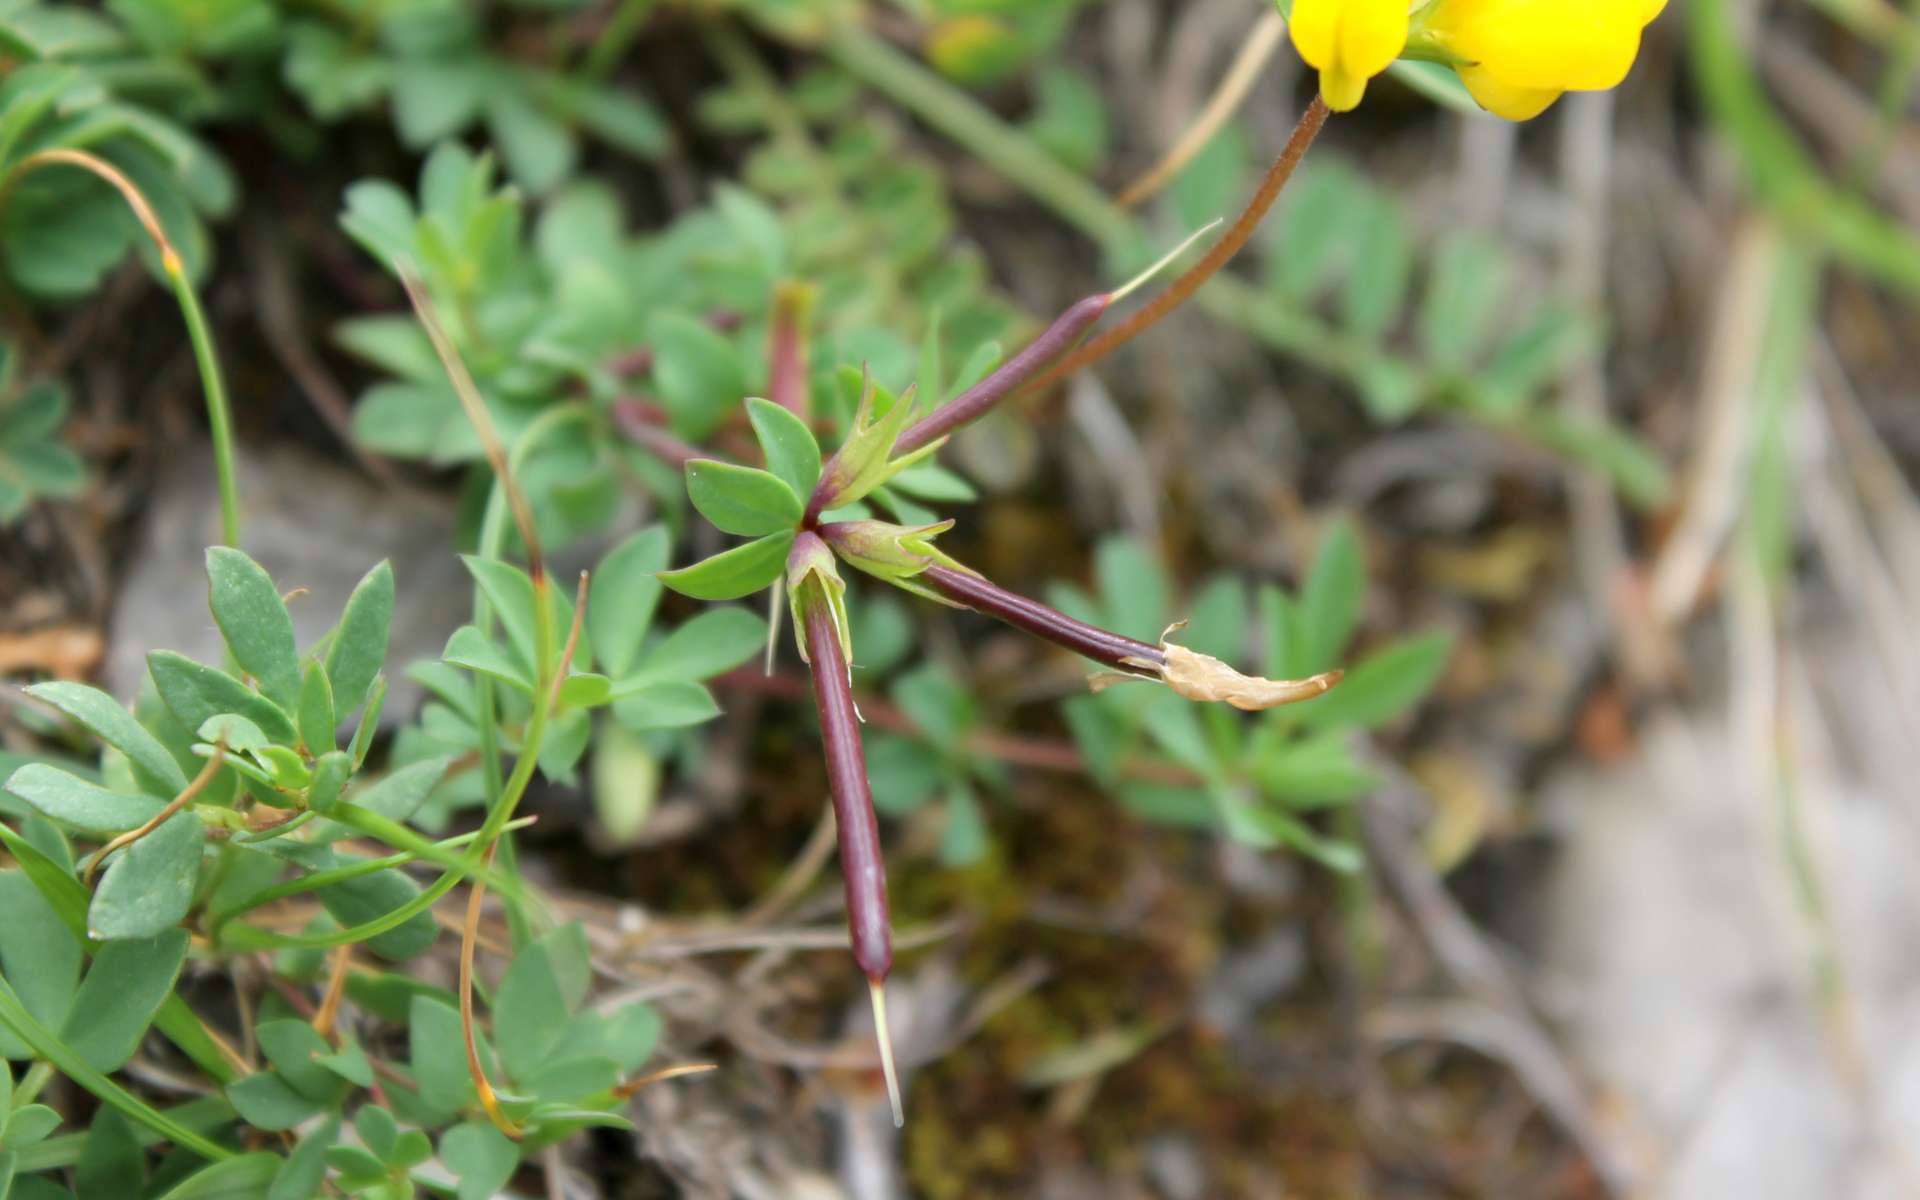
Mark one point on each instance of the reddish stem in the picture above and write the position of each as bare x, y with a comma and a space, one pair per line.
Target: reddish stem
636, 422
1229, 245
787, 351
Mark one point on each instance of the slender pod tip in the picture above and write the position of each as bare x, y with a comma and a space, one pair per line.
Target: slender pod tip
1132, 285
877, 990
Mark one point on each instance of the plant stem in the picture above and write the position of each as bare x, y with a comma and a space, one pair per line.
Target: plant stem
219, 415
212, 382
325, 879
960, 117
402, 838
1230, 244
199, 784
492, 545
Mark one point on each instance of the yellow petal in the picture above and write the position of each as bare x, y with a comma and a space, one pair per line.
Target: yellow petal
1340, 89
1504, 100
1350, 41
1546, 44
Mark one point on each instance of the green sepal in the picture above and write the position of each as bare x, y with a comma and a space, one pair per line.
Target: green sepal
865, 460
811, 559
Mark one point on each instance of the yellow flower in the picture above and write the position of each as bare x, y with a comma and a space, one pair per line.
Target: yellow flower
1349, 42
1517, 56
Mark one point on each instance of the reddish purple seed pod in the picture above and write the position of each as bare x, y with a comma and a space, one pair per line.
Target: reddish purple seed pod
972, 404
861, 864
984, 596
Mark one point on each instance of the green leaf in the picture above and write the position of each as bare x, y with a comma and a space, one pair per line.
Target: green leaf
240, 735
300, 1176
529, 1012
734, 573
39, 952
1217, 621
330, 774
1315, 771
1133, 587
903, 773
149, 886
244, 1178
670, 705
1329, 608
537, 149
74, 802
350, 1063
1382, 271
1272, 826
698, 372
934, 483
113, 1164
470, 648
510, 592
317, 723
622, 598
964, 840
1209, 187
716, 640
937, 703
358, 1169
154, 769
29, 1124
742, 500
295, 1051
359, 645
1069, 118
584, 689
254, 622
1382, 687
362, 900
1465, 295
196, 693
791, 450
1315, 234
399, 794
378, 1130
125, 987
46, 1044
439, 1059
481, 1157
267, 1101
626, 782
369, 721
432, 100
